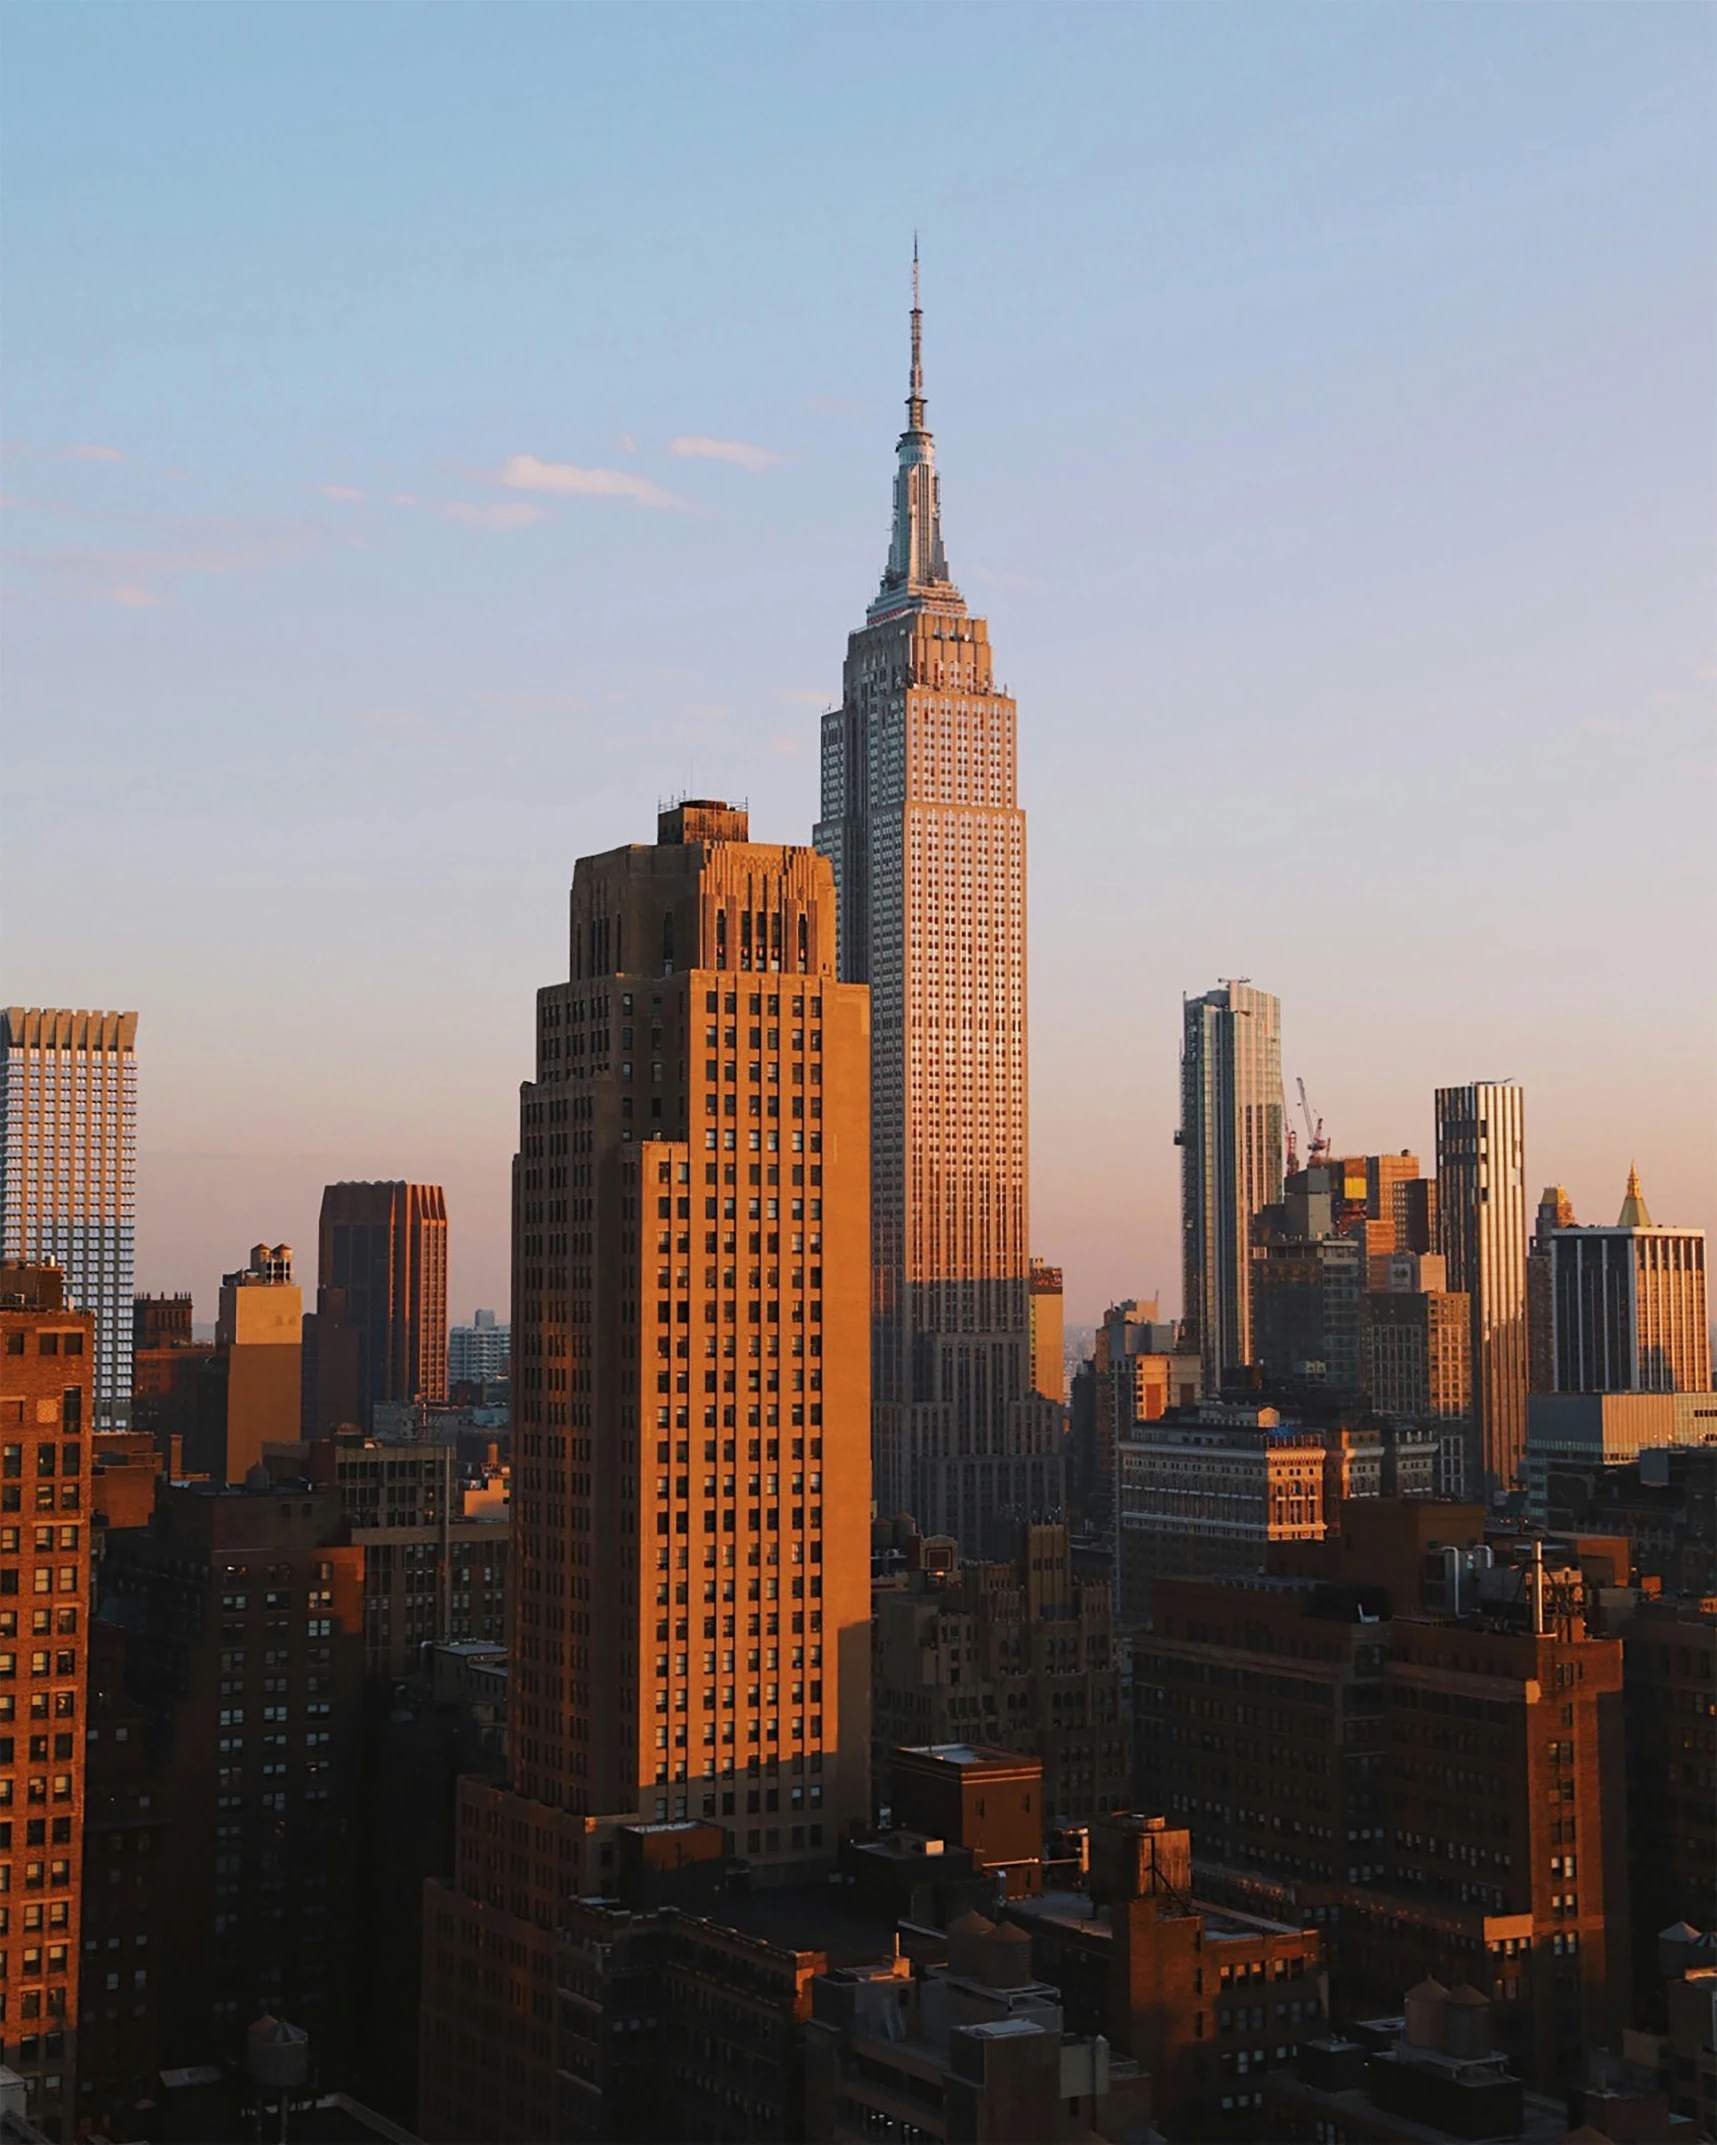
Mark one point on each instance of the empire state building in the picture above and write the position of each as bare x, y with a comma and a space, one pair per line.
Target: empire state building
921, 821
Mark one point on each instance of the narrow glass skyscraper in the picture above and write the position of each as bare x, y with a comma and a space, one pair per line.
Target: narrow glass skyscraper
1230, 1165
1481, 1230
68, 1171
921, 821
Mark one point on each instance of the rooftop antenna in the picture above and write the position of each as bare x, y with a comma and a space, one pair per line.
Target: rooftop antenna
915, 397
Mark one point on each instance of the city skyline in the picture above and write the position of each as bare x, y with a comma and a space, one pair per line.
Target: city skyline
1273, 469
1187, 1611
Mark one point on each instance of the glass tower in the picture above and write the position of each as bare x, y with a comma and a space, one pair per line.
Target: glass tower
68, 1171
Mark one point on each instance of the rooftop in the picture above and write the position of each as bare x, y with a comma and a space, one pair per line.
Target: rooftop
986, 1754
1221, 1924
806, 1918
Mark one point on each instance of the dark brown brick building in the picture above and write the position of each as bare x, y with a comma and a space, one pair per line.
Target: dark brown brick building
1204, 1998
1669, 1655
242, 1616
1422, 1753
380, 1324
1018, 1653
125, 1962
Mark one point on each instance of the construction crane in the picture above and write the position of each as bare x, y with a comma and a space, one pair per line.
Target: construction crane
1317, 1147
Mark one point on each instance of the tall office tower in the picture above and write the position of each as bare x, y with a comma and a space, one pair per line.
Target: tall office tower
921, 821
1555, 1211
1230, 1139
1628, 1306
690, 1572
47, 1357
68, 1170
381, 1283
1481, 1228
692, 1399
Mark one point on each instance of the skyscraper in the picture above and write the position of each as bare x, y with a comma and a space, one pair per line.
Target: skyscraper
690, 1387
921, 821
381, 1301
1231, 1163
690, 1575
1628, 1306
1481, 1227
68, 1170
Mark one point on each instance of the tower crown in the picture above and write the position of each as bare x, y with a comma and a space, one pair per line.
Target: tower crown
1635, 1214
916, 575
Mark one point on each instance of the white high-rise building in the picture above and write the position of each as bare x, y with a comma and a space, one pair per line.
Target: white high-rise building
1481, 1232
479, 1353
1231, 1163
68, 1170
921, 821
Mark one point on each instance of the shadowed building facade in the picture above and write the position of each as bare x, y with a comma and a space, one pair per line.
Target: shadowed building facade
921, 821
380, 1330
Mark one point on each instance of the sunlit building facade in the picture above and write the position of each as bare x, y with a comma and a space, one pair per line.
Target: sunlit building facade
1481, 1226
1628, 1309
922, 824
690, 1574
1230, 1140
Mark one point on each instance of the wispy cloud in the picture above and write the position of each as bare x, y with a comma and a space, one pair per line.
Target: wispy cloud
89, 451
834, 405
527, 473
132, 597
807, 696
788, 747
513, 514
1605, 726
344, 493
697, 447
626, 443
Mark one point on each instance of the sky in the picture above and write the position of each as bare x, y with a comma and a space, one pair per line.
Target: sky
435, 434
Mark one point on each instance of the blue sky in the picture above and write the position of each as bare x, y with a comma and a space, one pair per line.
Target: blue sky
1323, 398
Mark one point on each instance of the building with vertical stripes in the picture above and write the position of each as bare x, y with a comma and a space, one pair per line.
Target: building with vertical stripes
380, 1334
68, 1171
1230, 1140
1628, 1306
922, 824
1481, 1231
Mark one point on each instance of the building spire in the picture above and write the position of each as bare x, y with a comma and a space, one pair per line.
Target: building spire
917, 565
1634, 1214
915, 390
